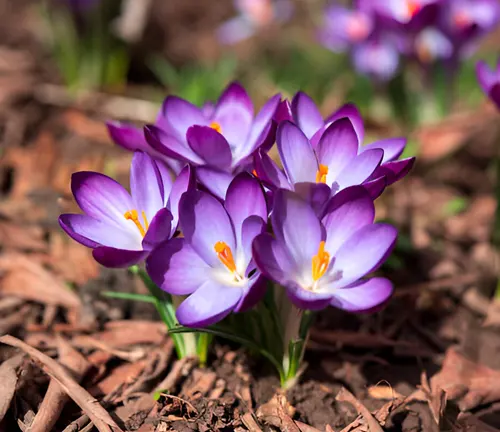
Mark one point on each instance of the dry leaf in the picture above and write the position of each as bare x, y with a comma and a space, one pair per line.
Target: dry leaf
469, 383
27, 279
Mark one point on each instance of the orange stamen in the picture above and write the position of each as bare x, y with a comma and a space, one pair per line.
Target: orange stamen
216, 126
133, 215
462, 19
320, 262
225, 255
255, 173
413, 7
357, 28
321, 174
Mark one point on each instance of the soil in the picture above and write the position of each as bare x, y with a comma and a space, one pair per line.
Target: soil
440, 326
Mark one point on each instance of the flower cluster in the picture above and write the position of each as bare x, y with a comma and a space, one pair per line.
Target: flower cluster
232, 220
252, 16
379, 32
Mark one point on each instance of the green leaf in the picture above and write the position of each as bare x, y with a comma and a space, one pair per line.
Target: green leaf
129, 296
226, 334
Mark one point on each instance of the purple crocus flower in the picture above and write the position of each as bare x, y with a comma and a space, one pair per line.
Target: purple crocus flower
377, 57
342, 28
122, 227
213, 262
489, 80
221, 142
323, 262
431, 45
252, 16
317, 172
345, 138
412, 15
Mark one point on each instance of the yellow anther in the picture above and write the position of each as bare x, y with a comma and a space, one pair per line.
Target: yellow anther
216, 126
412, 7
320, 262
321, 174
133, 215
225, 255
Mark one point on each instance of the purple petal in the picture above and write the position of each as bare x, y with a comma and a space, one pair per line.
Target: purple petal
296, 154
364, 252
127, 136
315, 194
268, 172
352, 113
181, 115
360, 168
159, 229
377, 59
234, 113
93, 232
283, 112
210, 146
296, 225
102, 198
347, 212
494, 94
394, 171
170, 145
307, 300
165, 179
207, 305
245, 198
363, 296
260, 129
117, 258
337, 147
146, 185
255, 291
306, 114
185, 181
485, 76
392, 147
176, 268
204, 222
215, 181
235, 30
250, 228
375, 187
273, 259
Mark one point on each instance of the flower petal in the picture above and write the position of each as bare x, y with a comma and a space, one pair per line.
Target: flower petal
376, 186
347, 212
307, 300
250, 228
392, 147
337, 147
363, 296
185, 181
127, 136
234, 113
254, 292
296, 225
93, 232
170, 145
245, 198
159, 229
364, 252
176, 268
296, 153
102, 198
396, 170
283, 112
146, 185
207, 305
117, 258
306, 114
204, 222
485, 76
315, 194
268, 172
181, 115
350, 111
260, 129
273, 259
215, 181
210, 146
360, 168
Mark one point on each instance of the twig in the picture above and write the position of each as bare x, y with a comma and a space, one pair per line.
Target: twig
175, 374
98, 415
346, 396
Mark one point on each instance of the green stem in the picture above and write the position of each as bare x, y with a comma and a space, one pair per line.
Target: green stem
204, 340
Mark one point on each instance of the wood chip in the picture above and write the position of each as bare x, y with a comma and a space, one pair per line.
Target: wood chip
346, 396
55, 398
100, 417
8, 378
